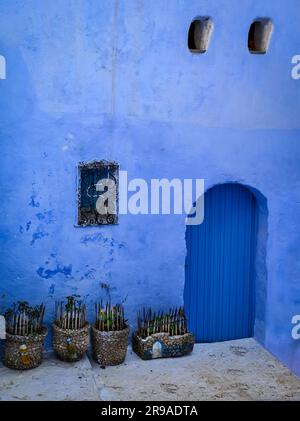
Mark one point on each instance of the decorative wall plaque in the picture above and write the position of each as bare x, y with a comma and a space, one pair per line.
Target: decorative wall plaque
98, 185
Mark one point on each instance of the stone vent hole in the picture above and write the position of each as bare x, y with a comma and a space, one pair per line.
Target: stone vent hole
259, 36
200, 34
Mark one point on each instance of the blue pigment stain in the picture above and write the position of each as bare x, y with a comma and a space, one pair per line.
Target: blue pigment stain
38, 236
94, 238
90, 274
33, 202
51, 289
46, 217
48, 273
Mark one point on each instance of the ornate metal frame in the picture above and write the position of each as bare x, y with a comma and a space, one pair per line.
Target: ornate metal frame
90, 217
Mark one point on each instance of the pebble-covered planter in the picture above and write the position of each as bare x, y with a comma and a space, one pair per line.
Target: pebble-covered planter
70, 344
162, 345
109, 348
24, 352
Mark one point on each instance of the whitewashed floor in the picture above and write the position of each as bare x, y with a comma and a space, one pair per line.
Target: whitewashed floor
235, 370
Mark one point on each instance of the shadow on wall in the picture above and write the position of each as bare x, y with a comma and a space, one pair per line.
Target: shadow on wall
261, 273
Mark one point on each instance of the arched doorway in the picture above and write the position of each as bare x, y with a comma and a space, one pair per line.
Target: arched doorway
219, 291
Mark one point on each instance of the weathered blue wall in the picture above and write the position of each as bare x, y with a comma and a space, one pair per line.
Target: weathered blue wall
108, 79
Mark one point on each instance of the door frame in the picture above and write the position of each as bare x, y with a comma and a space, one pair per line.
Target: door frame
260, 261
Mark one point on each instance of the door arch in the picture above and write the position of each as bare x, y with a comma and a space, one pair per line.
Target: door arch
219, 290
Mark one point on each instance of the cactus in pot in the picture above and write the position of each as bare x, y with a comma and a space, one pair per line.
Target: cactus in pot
109, 334
70, 329
162, 334
25, 336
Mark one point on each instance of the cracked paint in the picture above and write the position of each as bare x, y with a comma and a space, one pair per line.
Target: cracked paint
47, 217
33, 202
51, 273
38, 235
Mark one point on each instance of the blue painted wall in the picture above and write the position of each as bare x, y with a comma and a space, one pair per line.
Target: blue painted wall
90, 79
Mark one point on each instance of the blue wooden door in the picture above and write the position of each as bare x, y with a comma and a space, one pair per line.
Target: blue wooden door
219, 287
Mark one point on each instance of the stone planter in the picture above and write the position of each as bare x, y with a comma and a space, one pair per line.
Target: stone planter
70, 344
24, 352
109, 348
162, 345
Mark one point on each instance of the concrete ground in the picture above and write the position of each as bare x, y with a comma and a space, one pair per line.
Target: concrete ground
234, 370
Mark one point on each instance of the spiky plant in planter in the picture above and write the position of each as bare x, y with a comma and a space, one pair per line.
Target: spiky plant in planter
173, 322
70, 329
25, 336
109, 334
162, 334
